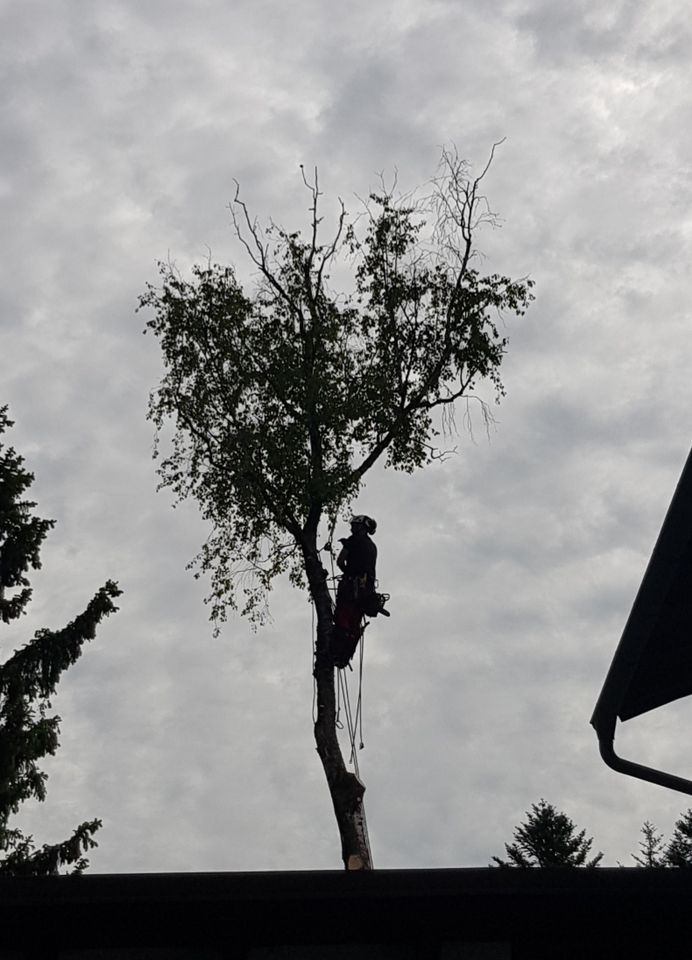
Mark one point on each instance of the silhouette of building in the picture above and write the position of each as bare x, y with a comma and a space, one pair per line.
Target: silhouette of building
455, 914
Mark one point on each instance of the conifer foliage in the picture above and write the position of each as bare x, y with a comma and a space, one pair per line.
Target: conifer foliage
29, 676
679, 850
652, 850
548, 838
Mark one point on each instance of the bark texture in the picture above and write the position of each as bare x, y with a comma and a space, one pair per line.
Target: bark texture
345, 788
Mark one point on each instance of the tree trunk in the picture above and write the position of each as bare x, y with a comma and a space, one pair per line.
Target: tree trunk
345, 788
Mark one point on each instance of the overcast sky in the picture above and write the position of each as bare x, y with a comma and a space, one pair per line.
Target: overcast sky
512, 566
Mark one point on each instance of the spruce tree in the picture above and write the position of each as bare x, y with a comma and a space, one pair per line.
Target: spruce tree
29, 676
679, 850
651, 849
548, 838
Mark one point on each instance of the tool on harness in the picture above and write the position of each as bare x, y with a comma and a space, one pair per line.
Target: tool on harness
375, 605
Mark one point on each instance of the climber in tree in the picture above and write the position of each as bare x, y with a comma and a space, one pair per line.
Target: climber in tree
356, 596
358, 556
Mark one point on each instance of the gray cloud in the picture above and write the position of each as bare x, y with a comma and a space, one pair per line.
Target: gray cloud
512, 566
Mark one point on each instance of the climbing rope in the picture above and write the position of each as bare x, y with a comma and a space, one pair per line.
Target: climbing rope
342, 692
352, 719
354, 722
359, 711
312, 668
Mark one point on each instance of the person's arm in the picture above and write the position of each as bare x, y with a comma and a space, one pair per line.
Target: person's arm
372, 562
342, 559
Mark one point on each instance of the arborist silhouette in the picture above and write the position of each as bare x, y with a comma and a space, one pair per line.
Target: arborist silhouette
356, 596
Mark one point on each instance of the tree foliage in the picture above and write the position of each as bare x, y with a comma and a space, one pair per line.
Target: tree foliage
656, 852
548, 838
678, 852
28, 678
652, 851
282, 398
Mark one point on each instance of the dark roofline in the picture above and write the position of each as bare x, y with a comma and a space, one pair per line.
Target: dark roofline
654, 627
639, 631
529, 909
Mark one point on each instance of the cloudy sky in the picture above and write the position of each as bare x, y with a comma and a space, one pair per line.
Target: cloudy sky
512, 566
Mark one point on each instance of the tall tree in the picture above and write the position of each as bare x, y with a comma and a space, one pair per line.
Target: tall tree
28, 677
548, 838
678, 853
283, 398
652, 851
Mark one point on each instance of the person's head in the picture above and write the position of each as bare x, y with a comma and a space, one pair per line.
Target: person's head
363, 524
